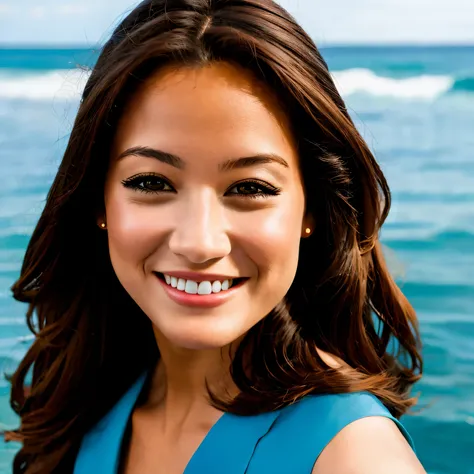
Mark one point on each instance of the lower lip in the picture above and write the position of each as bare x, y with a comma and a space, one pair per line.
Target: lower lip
200, 301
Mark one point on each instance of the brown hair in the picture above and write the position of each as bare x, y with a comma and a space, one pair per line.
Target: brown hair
343, 299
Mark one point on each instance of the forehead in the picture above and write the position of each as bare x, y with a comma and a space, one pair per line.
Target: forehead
220, 108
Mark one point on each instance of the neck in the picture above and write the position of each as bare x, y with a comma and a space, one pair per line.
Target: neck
178, 386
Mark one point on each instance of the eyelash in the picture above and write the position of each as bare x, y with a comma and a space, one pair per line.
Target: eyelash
265, 189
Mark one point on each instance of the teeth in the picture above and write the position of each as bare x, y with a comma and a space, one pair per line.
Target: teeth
205, 288
181, 284
199, 288
191, 287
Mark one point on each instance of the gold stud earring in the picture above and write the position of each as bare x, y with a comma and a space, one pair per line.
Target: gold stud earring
103, 226
307, 231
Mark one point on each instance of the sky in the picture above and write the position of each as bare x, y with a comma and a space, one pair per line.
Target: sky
88, 22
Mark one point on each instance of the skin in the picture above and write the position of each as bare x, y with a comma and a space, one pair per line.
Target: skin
203, 220
372, 445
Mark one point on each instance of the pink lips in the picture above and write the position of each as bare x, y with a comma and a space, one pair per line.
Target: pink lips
199, 301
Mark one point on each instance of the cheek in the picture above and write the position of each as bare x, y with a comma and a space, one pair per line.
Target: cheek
132, 234
273, 244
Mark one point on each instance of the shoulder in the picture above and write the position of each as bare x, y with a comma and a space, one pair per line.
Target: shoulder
368, 445
332, 432
334, 411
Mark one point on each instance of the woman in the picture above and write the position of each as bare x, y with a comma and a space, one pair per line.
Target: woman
209, 286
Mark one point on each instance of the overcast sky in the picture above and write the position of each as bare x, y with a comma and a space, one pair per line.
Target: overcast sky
328, 21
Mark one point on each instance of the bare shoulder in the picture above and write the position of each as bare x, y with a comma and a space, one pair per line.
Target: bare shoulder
371, 445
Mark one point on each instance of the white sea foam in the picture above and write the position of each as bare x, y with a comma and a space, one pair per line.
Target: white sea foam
352, 81
11, 321
69, 84
61, 84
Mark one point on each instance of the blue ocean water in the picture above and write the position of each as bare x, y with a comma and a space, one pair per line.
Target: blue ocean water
414, 106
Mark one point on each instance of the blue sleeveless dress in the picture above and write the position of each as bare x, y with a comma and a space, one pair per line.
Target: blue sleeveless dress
281, 442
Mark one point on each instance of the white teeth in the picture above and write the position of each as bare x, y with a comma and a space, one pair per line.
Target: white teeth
191, 287
205, 288
201, 288
181, 284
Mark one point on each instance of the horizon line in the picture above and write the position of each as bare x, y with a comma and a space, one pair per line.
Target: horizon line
320, 45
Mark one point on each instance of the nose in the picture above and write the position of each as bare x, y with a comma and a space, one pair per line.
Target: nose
199, 234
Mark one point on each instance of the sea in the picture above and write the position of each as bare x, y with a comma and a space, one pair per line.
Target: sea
415, 107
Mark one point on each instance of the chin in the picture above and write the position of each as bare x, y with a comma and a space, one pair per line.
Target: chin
200, 335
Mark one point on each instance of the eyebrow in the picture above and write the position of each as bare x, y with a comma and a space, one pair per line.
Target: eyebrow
228, 165
159, 155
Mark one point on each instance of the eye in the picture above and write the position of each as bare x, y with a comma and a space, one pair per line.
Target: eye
253, 188
148, 183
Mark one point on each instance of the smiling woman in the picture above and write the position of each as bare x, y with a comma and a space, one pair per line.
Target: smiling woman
209, 290
189, 208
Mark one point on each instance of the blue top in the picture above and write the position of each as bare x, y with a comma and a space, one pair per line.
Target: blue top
280, 442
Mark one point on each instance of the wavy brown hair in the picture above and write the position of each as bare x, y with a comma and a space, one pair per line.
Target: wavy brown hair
343, 299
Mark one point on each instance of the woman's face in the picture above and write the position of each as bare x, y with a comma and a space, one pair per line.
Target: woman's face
204, 204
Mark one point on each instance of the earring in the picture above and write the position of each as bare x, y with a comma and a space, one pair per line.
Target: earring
103, 226
307, 231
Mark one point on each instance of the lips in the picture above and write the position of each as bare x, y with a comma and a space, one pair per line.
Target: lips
199, 291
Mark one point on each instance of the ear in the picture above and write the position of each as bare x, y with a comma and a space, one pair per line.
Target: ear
308, 226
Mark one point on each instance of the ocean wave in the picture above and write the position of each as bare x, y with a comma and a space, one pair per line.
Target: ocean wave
465, 84
14, 241
69, 84
438, 292
428, 87
61, 85
12, 321
458, 240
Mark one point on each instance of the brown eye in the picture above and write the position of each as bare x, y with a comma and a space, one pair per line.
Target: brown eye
253, 189
152, 184
148, 184
248, 188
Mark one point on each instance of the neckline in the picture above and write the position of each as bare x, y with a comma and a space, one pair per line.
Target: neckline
202, 445
138, 390
228, 445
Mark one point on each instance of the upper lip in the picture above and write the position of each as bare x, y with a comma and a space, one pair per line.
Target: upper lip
199, 276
